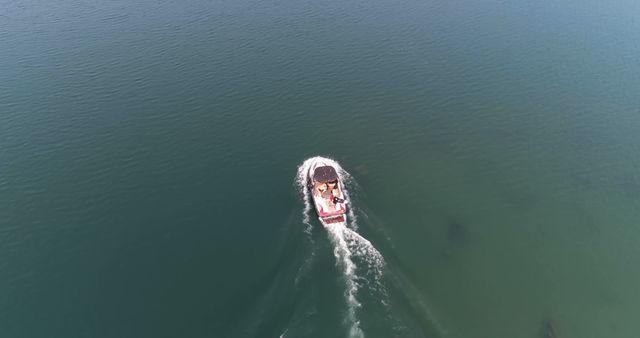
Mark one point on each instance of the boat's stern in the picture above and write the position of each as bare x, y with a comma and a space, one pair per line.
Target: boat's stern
334, 219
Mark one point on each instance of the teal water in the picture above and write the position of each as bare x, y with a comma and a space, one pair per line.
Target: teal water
149, 153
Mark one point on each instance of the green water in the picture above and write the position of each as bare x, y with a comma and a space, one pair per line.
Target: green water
149, 151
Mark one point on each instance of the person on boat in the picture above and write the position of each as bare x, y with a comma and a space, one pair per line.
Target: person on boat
333, 188
326, 196
326, 191
335, 194
321, 188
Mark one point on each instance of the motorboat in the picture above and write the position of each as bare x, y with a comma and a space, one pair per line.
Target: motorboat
327, 191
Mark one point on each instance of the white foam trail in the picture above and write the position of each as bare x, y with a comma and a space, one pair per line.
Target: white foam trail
343, 256
361, 247
347, 243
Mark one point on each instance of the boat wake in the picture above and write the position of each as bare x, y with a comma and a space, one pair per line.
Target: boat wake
349, 247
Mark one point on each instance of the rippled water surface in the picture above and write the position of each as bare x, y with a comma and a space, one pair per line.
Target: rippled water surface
149, 157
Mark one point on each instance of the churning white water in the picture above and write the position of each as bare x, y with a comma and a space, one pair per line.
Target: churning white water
347, 243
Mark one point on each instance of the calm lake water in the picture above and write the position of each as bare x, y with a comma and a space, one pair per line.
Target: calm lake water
149, 152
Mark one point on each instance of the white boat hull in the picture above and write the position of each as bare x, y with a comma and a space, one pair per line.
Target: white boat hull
332, 208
